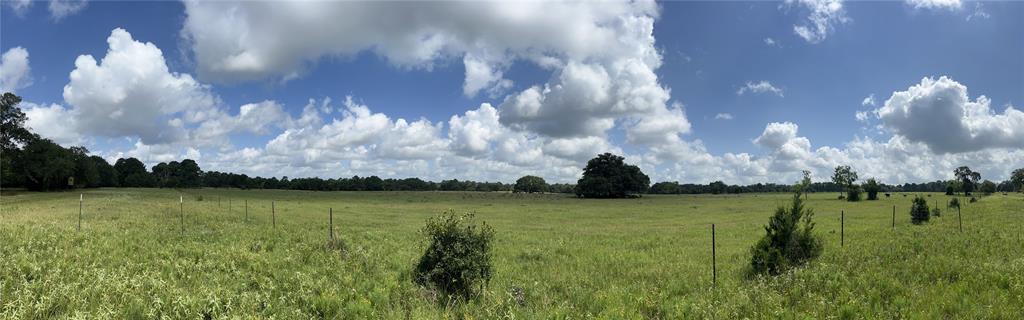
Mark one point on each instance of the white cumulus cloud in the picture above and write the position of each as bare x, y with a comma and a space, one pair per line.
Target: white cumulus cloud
14, 70
940, 114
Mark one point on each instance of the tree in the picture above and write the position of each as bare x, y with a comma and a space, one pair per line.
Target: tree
789, 240
46, 165
189, 174
664, 188
86, 173
133, 173
804, 184
872, 188
12, 123
608, 176
968, 179
845, 177
988, 187
1017, 178
919, 212
13, 134
107, 174
530, 184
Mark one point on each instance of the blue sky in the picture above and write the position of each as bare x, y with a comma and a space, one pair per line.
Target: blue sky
690, 91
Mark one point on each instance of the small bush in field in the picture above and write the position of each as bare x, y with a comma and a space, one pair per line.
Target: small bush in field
789, 240
919, 212
458, 259
954, 203
853, 193
973, 199
936, 212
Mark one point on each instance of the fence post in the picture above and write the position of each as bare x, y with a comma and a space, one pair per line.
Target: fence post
246, 210
842, 228
714, 264
80, 198
331, 222
959, 219
894, 218
273, 215
181, 211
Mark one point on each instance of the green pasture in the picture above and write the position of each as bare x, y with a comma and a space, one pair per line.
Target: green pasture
555, 256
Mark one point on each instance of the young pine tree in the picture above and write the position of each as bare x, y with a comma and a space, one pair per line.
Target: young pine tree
789, 240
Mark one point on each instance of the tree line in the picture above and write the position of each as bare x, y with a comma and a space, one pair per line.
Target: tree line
37, 163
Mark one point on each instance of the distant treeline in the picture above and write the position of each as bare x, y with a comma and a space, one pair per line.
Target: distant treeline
30, 161
719, 187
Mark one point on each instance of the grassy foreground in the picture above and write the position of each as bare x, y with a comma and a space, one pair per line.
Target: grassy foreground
555, 257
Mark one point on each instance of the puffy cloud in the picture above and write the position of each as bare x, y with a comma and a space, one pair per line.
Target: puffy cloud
821, 21
723, 116
53, 122
602, 55
235, 41
359, 134
59, 9
658, 127
771, 42
14, 70
131, 92
776, 134
869, 101
935, 4
483, 75
759, 87
940, 114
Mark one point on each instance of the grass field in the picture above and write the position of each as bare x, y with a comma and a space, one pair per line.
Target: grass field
555, 257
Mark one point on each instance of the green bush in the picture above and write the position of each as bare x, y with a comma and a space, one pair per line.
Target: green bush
872, 187
919, 212
458, 258
789, 240
954, 203
853, 193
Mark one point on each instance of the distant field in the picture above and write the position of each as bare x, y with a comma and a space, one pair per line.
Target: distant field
571, 258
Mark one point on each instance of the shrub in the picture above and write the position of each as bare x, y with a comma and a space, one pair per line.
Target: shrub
936, 212
919, 211
888, 195
872, 187
853, 193
954, 203
458, 258
789, 240
973, 200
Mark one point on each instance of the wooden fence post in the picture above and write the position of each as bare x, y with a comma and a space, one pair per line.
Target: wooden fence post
273, 215
894, 218
80, 198
959, 219
331, 222
842, 228
181, 211
714, 264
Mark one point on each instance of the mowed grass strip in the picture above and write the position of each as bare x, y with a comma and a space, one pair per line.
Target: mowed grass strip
555, 257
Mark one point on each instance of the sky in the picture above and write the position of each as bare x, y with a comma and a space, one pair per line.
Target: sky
742, 92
